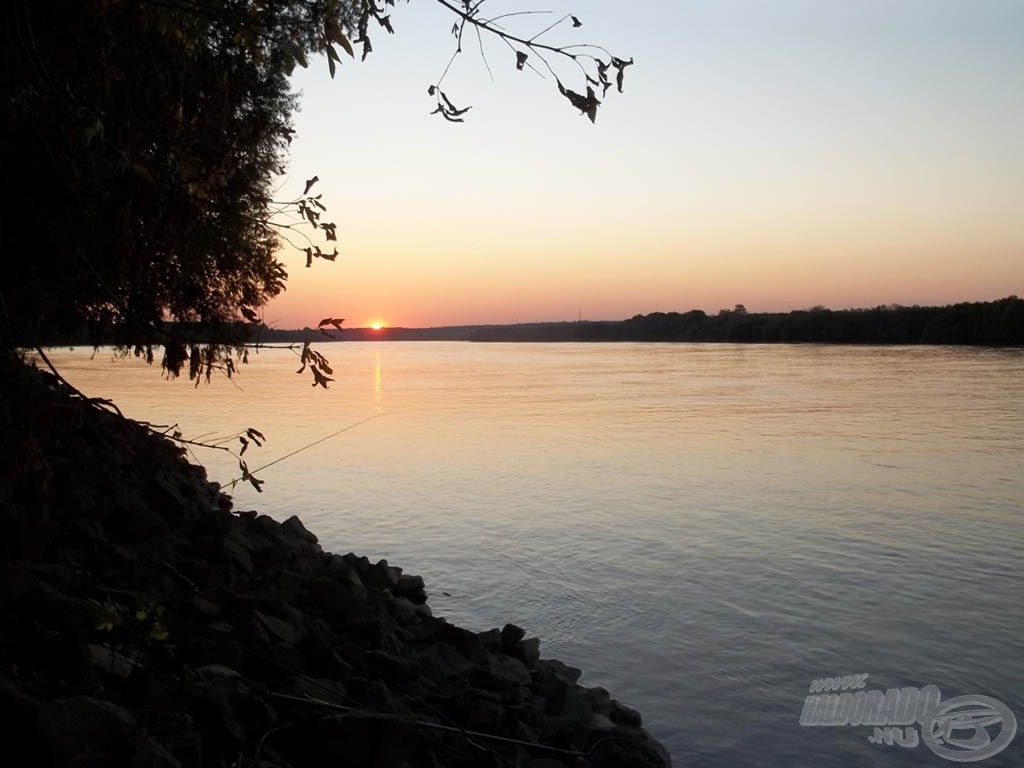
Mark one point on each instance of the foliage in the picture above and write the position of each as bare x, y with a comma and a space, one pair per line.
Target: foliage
144, 136
144, 623
999, 322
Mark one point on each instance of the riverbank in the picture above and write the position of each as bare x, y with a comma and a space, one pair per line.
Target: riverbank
147, 623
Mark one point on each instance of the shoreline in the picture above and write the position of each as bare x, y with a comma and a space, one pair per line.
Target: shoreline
146, 623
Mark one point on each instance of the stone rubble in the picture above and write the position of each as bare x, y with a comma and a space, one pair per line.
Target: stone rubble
145, 624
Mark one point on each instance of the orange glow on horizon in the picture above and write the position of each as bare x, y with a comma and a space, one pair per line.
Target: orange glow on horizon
376, 324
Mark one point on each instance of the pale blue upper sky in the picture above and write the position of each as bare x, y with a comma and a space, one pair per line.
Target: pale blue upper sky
778, 154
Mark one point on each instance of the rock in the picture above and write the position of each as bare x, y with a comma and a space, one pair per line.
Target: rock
404, 610
211, 709
506, 672
626, 750
131, 519
380, 575
620, 714
84, 726
286, 631
203, 609
215, 671
491, 639
552, 668
233, 553
334, 602
528, 650
294, 529
465, 642
393, 666
442, 662
151, 754
113, 662
168, 501
409, 585
379, 698
262, 629
511, 634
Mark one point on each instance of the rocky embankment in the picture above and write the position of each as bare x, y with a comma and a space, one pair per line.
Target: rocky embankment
144, 623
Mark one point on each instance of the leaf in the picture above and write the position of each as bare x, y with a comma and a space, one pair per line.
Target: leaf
245, 444
586, 104
447, 115
576, 22
521, 58
309, 185
620, 65
448, 110
335, 321
256, 435
92, 131
319, 378
447, 101
251, 316
431, 90
248, 477
143, 173
331, 65
340, 38
329, 231
309, 257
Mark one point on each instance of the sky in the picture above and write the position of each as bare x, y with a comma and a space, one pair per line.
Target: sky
779, 155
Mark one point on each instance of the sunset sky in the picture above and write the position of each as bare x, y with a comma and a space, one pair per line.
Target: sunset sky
776, 154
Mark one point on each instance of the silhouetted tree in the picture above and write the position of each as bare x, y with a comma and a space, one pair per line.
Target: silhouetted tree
140, 140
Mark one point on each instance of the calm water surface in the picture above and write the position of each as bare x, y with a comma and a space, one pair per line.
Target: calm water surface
704, 529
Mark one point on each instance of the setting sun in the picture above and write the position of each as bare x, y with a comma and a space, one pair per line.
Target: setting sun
376, 325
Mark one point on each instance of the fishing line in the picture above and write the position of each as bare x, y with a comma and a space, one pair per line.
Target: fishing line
307, 447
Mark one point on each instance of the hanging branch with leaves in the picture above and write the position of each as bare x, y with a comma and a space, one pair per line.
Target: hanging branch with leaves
593, 62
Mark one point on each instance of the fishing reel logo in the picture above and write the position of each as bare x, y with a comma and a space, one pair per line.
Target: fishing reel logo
963, 729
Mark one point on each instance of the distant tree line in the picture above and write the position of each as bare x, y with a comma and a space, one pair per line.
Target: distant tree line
992, 323
998, 322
